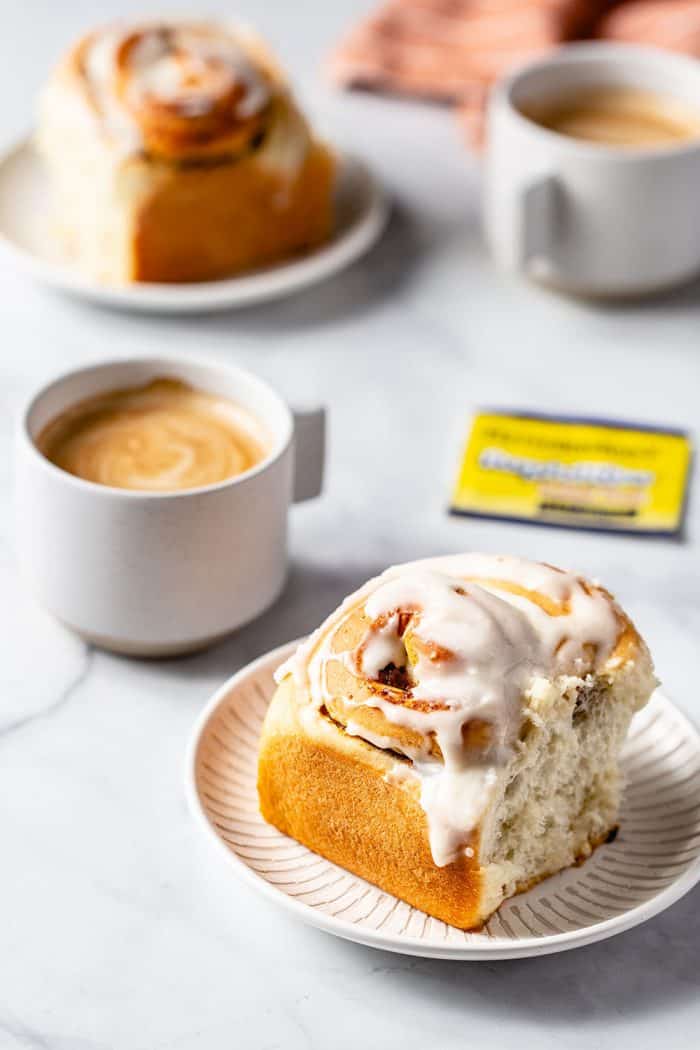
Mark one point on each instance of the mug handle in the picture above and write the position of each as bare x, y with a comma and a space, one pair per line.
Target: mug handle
537, 219
309, 452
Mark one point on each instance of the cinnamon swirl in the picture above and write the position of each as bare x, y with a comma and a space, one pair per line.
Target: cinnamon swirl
178, 154
451, 733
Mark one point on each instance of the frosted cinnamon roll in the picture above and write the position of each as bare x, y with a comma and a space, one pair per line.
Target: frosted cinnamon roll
178, 154
471, 709
183, 92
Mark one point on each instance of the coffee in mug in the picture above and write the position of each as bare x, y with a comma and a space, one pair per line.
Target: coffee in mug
164, 436
618, 115
177, 559
600, 198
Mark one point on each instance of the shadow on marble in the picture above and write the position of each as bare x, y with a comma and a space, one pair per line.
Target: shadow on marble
378, 276
681, 297
650, 967
311, 593
640, 537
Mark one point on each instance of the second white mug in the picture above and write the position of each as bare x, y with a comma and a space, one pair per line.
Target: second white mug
590, 219
150, 573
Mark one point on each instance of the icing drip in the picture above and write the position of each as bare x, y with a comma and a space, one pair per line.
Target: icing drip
178, 71
474, 633
186, 68
383, 647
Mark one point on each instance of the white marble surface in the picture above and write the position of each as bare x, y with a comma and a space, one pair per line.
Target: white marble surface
119, 930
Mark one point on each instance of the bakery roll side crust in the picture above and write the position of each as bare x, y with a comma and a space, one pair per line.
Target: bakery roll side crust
478, 639
349, 802
177, 153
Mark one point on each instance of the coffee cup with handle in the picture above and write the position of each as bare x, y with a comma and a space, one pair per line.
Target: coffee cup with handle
154, 573
591, 219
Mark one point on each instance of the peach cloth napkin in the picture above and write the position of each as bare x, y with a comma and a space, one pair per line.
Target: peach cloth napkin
453, 50
672, 24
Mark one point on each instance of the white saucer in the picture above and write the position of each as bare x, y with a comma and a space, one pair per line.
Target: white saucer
361, 210
654, 860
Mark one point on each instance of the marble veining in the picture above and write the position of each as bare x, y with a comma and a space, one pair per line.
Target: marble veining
119, 929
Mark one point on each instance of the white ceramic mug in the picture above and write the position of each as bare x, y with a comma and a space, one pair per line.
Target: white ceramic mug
590, 219
156, 574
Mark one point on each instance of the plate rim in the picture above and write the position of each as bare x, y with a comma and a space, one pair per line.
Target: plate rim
492, 948
229, 293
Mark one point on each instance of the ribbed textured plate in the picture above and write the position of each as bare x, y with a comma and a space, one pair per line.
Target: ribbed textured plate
361, 212
654, 860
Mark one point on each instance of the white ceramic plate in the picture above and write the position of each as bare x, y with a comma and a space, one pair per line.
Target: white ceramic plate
654, 860
361, 213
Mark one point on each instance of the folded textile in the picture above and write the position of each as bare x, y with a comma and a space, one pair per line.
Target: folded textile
452, 51
671, 24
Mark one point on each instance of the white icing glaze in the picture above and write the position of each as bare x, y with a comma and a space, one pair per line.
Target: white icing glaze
382, 647
478, 652
100, 71
385, 743
213, 66
213, 63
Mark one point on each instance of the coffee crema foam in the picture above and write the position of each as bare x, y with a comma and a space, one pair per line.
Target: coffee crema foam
161, 437
615, 115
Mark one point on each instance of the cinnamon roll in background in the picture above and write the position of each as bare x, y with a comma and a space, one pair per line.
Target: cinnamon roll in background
451, 733
178, 154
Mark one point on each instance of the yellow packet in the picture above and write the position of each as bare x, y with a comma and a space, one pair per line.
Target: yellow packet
579, 473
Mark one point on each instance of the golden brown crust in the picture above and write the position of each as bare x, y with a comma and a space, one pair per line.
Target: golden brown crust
329, 791
205, 223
